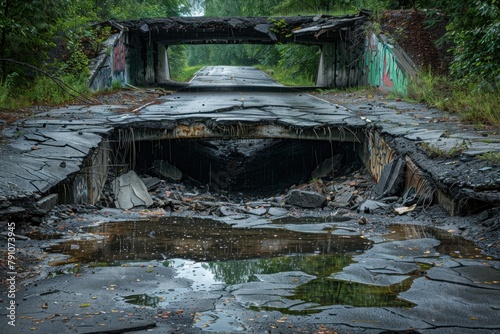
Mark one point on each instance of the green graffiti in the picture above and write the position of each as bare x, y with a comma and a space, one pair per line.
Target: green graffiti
383, 69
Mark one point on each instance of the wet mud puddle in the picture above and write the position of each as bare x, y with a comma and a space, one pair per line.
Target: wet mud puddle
327, 267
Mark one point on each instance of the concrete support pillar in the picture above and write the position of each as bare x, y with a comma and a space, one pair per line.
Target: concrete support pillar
162, 66
327, 66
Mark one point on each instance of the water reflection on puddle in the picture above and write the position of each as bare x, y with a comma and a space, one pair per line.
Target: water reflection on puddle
450, 244
199, 240
212, 254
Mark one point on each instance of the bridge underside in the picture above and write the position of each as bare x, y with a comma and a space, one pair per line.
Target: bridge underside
312, 30
140, 54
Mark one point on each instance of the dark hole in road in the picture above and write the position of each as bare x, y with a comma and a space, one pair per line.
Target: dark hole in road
252, 166
211, 253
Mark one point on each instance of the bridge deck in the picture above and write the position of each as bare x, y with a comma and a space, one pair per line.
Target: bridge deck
262, 30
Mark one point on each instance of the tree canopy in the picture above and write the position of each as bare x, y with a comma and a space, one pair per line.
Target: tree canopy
43, 32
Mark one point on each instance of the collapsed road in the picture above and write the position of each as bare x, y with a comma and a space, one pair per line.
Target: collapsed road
231, 208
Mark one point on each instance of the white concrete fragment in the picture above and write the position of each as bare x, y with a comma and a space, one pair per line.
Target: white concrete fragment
130, 192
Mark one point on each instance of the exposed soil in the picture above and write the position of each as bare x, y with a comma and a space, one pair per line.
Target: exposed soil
421, 37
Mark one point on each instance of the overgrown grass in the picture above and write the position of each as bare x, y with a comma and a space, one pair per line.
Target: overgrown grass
6, 89
285, 77
185, 73
42, 90
471, 103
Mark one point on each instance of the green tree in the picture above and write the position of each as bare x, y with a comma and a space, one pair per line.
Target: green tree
474, 30
26, 32
476, 35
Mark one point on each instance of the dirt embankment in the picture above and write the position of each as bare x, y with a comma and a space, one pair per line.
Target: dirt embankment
421, 35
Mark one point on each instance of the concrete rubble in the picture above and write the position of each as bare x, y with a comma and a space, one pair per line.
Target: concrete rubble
131, 192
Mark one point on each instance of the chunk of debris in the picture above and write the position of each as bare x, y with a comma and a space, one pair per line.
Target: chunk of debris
391, 179
326, 167
130, 192
370, 206
305, 199
167, 170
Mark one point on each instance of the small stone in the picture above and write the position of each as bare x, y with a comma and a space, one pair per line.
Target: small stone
362, 220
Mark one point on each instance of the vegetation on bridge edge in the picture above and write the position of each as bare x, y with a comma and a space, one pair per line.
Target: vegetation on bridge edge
479, 106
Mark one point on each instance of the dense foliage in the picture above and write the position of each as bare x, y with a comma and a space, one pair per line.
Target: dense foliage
55, 37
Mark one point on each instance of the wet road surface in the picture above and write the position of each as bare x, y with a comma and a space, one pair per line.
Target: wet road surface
305, 275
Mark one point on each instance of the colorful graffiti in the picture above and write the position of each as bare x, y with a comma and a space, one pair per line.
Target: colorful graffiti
119, 60
383, 69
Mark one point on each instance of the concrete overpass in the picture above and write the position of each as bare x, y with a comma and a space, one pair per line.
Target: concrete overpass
139, 47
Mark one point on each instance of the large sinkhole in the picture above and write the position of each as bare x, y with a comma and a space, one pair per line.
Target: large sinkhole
243, 165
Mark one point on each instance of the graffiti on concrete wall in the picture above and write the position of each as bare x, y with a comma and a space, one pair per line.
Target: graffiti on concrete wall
383, 69
119, 60
80, 189
87, 186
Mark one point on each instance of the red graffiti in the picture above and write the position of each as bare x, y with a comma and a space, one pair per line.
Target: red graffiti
119, 62
386, 76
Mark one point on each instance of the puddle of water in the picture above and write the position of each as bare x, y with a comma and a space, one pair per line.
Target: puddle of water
142, 300
212, 254
200, 240
450, 244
